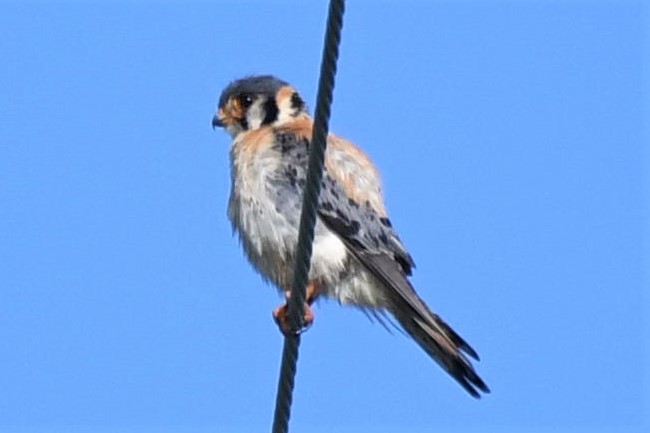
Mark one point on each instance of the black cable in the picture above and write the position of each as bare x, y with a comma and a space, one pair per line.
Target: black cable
296, 301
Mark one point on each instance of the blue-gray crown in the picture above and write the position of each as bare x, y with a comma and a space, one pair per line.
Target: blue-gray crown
255, 84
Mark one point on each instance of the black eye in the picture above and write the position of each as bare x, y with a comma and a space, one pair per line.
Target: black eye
246, 99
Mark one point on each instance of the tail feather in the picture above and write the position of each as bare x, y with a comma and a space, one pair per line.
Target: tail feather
454, 337
437, 338
445, 347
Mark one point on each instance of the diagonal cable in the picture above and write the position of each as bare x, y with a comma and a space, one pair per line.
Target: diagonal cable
296, 301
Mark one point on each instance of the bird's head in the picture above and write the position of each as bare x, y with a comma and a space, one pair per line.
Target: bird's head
253, 102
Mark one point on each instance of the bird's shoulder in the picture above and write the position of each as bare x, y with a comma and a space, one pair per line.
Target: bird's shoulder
351, 200
345, 162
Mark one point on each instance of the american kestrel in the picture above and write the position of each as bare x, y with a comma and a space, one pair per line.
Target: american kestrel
358, 258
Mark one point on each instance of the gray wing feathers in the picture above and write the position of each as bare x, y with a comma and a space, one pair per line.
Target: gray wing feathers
376, 245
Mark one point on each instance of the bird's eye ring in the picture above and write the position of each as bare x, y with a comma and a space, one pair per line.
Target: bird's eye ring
246, 100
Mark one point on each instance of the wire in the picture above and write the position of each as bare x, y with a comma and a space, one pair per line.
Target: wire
296, 301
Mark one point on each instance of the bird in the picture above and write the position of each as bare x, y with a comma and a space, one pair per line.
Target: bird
357, 255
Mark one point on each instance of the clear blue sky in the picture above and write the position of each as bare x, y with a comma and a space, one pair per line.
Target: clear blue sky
511, 140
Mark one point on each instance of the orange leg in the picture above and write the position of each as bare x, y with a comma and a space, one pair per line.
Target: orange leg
281, 314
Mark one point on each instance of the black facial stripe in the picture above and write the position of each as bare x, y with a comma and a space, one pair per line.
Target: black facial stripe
244, 123
296, 102
271, 111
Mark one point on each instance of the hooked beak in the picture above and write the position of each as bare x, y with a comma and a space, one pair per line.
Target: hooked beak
217, 122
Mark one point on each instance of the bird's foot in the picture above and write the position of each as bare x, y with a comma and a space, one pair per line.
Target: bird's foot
281, 317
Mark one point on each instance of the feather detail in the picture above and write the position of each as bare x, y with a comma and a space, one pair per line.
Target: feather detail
433, 335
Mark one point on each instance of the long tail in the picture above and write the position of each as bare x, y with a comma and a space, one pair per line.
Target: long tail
442, 343
432, 334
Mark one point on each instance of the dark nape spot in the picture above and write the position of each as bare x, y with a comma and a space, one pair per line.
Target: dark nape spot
271, 111
385, 222
297, 103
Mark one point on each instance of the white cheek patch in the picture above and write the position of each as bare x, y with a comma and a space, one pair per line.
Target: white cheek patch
285, 110
255, 114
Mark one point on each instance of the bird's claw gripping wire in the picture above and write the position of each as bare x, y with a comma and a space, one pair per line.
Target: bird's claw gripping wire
281, 314
281, 317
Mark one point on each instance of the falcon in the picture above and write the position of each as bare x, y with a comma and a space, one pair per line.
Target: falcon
358, 258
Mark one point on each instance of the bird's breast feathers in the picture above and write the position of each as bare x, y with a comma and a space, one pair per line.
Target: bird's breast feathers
268, 171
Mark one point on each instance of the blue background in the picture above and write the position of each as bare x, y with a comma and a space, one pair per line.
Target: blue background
512, 138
